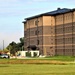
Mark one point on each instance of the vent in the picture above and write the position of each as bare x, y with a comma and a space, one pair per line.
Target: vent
58, 8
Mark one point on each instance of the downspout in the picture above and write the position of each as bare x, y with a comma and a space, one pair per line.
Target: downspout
55, 38
29, 34
42, 37
63, 37
37, 32
72, 36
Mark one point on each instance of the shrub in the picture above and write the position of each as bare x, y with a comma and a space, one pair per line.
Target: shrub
28, 54
35, 54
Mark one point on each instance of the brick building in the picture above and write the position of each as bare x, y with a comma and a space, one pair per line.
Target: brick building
52, 33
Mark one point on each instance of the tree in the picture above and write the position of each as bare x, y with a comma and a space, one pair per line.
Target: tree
22, 41
5, 51
14, 47
21, 44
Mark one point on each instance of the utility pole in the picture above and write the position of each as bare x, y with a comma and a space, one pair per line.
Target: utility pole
3, 44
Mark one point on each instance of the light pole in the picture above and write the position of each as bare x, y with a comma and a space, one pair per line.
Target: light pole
3, 44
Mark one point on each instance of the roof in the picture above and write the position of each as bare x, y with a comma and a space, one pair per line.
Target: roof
59, 11
24, 22
52, 13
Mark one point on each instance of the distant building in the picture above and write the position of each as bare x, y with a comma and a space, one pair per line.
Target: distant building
52, 33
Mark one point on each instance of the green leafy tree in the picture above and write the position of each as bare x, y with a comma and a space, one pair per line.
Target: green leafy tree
21, 44
14, 47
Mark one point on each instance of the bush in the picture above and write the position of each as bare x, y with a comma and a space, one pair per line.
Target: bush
0, 57
28, 54
35, 54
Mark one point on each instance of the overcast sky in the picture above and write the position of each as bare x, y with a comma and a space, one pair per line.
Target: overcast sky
13, 12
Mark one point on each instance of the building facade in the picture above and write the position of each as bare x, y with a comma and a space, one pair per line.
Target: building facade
52, 33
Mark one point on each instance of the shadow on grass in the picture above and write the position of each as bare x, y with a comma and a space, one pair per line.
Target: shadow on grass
4, 65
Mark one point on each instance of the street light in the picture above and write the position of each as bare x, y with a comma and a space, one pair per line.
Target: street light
3, 44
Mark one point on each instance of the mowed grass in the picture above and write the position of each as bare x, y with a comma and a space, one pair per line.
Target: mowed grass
62, 58
34, 69
46, 60
56, 60
57, 65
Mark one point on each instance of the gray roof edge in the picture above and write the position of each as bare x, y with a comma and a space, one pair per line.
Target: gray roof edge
36, 16
66, 10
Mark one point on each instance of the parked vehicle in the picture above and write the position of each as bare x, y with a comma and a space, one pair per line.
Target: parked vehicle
4, 56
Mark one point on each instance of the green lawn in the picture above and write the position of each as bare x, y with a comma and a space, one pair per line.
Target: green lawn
57, 65
59, 60
34, 69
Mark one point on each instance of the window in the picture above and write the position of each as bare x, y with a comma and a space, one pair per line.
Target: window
51, 50
66, 17
36, 22
52, 39
25, 43
25, 33
32, 41
51, 43
32, 32
51, 47
37, 42
51, 27
36, 32
51, 31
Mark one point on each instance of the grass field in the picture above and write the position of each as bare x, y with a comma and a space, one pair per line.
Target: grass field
33, 69
57, 65
47, 60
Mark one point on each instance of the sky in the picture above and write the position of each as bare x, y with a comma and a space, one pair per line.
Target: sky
13, 12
